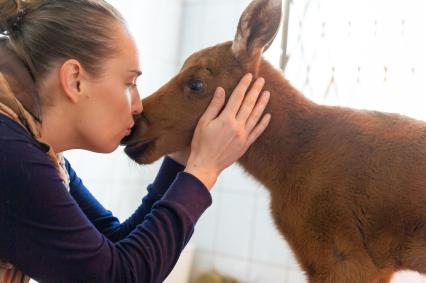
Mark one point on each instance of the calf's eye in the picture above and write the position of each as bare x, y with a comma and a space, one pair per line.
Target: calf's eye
196, 86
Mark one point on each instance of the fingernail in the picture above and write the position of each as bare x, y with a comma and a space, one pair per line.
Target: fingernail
262, 80
268, 116
218, 92
249, 75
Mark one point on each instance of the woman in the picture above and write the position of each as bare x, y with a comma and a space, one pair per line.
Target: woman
67, 80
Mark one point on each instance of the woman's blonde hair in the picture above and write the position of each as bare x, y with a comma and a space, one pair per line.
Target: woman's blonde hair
43, 32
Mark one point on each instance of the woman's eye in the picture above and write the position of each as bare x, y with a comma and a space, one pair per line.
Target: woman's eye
196, 86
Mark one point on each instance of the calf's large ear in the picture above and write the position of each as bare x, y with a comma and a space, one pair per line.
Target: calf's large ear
257, 29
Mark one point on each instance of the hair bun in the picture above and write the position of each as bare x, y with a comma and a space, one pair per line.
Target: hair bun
11, 15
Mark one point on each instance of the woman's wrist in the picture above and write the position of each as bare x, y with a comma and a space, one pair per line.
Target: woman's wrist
206, 176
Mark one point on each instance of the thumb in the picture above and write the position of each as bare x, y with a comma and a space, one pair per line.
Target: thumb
215, 105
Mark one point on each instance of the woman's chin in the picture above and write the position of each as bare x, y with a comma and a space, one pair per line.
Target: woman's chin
104, 148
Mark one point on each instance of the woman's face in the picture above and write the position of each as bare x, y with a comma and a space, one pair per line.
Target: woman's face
112, 99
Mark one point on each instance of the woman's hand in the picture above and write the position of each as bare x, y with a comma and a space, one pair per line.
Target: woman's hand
221, 140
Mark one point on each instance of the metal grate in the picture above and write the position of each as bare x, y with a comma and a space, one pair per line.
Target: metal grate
364, 53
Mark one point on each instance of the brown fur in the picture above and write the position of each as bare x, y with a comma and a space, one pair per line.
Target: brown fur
348, 190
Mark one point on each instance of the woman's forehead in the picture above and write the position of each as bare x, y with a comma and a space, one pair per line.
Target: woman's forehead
128, 57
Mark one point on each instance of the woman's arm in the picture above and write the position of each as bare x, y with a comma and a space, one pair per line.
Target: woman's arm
46, 235
103, 219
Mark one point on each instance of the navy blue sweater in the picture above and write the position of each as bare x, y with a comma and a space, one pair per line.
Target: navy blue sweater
56, 236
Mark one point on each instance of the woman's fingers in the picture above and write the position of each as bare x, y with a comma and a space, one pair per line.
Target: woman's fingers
215, 106
220, 141
250, 101
237, 96
257, 112
258, 130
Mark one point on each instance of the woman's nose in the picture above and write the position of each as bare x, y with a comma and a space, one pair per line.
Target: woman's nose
136, 106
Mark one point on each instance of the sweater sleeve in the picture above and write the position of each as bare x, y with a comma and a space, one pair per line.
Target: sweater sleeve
48, 236
103, 219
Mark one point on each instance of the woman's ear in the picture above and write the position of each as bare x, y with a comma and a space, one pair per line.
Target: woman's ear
257, 29
71, 79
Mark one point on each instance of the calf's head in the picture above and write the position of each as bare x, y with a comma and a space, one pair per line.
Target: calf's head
172, 112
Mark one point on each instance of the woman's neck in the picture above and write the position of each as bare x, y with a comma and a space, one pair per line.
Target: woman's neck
56, 131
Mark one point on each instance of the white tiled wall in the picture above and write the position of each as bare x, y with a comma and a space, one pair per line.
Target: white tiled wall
208, 22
